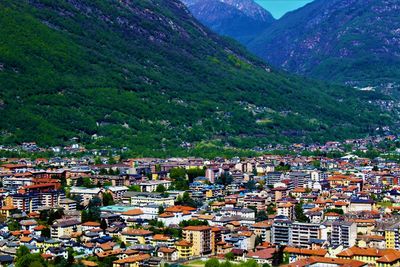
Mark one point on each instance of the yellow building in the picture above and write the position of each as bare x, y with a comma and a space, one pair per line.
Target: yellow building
184, 249
390, 238
372, 256
6, 211
339, 181
136, 236
199, 237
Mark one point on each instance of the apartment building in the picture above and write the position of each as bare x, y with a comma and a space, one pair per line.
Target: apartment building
200, 238
302, 233
144, 198
343, 233
281, 231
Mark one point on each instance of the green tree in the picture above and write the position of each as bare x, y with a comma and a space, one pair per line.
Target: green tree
160, 188
299, 213
13, 225
107, 199
134, 188
229, 256
261, 216
251, 185
103, 225
22, 251
226, 264
258, 241
194, 173
79, 181
186, 200
161, 209
176, 173
45, 232
29, 260
271, 209
87, 182
212, 263
70, 258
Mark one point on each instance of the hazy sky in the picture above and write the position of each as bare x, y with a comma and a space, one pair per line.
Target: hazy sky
279, 7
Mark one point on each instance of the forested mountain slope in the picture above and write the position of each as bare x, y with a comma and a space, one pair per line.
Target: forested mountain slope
147, 75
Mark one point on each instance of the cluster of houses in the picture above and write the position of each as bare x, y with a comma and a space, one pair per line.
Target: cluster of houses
292, 210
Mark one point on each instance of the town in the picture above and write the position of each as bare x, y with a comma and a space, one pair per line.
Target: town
335, 204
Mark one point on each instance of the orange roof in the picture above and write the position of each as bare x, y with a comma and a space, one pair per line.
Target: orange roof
206, 217
166, 215
93, 224
132, 259
89, 263
183, 243
161, 237
263, 224
137, 232
25, 239
338, 178
314, 259
39, 228
285, 205
179, 209
107, 246
320, 201
340, 203
133, 212
299, 190
246, 233
367, 221
40, 185
310, 252
8, 208
109, 253
197, 228
371, 252
166, 250
390, 257
332, 214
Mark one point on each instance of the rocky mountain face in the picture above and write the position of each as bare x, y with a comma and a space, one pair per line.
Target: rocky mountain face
355, 42
146, 75
239, 19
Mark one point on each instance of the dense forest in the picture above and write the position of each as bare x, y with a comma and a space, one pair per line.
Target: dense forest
147, 76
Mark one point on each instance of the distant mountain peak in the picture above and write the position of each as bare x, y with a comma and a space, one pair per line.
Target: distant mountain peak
239, 19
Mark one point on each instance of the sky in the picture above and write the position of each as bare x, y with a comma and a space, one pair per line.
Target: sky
279, 7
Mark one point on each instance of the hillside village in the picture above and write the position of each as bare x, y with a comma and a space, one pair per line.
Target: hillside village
292, 210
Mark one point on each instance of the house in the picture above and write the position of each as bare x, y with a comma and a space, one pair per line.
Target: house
263, 256
373, 256
133, 261
136, 236
296, 254
316, 261
65, 228
167, 254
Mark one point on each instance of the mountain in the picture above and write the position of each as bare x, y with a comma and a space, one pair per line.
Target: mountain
356, 42
147, 76
239, 19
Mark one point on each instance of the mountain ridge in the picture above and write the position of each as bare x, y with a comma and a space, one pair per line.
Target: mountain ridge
347, 41
146, 75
